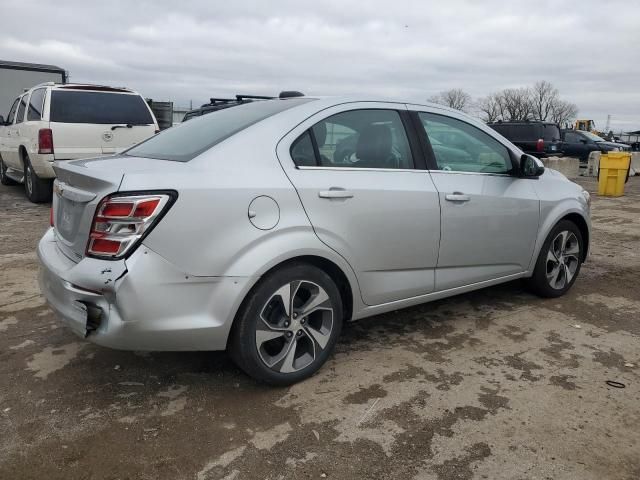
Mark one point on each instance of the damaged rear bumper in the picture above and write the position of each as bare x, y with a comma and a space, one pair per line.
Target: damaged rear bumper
141, 303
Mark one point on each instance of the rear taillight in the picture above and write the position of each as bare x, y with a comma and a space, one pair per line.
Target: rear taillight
45, 140
121, 221
540, 145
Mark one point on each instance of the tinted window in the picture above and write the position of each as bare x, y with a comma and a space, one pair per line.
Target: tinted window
363, 139
21, 109
35, 104
572, 137
98, 107
189, 139
461, 147
12, 112
302, 151
551, 133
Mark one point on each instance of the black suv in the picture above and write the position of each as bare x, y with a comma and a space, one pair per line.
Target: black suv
540, 139
216, 104
578, 143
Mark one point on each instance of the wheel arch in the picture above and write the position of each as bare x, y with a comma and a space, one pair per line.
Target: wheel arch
329, 267
582, 225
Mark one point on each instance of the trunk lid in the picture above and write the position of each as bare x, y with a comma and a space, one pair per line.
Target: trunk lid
81, 185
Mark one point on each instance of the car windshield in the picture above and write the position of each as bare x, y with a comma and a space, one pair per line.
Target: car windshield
593, 137
189, 139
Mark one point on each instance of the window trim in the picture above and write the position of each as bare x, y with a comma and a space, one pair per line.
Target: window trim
44, 97
413, 143
24, 112
433, 165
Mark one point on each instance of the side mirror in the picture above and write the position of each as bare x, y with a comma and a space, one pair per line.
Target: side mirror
2, 120
530, 166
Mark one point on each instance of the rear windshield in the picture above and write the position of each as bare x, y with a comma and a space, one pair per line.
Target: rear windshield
98, 107
551, 133
189, 139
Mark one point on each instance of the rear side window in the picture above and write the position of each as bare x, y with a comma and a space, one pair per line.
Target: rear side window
189, 139
356, 139
21, 109
98, 107
35, 104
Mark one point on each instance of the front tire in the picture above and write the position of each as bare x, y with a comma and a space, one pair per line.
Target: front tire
559, 261
38, 190
288, 325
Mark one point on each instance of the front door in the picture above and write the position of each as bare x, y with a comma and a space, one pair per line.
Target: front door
489, 217
10, 139
354, 171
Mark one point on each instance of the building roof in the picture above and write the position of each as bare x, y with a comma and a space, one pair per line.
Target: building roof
30, 66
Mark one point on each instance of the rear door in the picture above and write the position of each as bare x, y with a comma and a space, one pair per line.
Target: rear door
88, 123
353, 167
489, 217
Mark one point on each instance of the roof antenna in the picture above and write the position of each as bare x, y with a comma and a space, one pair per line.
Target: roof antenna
290, 94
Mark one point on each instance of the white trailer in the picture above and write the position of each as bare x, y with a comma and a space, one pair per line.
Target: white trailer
16, 77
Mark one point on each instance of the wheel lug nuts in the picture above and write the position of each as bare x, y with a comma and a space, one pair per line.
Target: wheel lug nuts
286, 324
295, 315
303, 321
289, 334
299, 332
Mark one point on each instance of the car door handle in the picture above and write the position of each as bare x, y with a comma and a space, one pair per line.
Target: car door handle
335, 192
457, 197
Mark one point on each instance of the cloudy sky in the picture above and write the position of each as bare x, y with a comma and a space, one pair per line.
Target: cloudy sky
192, 50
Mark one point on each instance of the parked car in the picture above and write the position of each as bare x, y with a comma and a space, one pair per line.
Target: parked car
540, 139
578, 143
253, 230
216, 104
51, 123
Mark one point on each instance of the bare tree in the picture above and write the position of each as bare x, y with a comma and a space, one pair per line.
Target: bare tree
517, 104
454, 98
563, 112
490, 108
544, 97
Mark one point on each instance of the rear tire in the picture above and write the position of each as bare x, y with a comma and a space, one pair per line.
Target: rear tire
288, 325
4, 180
38, 190
559, 261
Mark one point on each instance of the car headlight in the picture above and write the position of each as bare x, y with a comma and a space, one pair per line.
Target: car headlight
587, 197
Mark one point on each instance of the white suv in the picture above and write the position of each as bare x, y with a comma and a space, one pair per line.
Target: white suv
53, 122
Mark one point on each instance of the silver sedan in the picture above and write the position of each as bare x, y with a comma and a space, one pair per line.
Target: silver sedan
261, 228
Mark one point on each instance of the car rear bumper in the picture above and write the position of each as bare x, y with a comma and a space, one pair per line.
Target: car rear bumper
143, 303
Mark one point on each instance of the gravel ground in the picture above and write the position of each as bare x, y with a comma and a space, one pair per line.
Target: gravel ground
493, 384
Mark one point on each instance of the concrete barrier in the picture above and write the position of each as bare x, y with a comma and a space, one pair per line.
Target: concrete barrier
635, 163
568, 166
593, 164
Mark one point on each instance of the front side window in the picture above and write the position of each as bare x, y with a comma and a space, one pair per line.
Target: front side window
35, 104
12, 112
356, 139
460, 147
21, 109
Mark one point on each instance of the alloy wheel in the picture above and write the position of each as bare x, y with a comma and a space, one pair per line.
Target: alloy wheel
295, 326
562, 259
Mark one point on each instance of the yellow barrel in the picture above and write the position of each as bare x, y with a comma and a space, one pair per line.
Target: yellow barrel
614, 167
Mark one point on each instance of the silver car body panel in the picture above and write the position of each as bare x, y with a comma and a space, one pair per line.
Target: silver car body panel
182, 287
